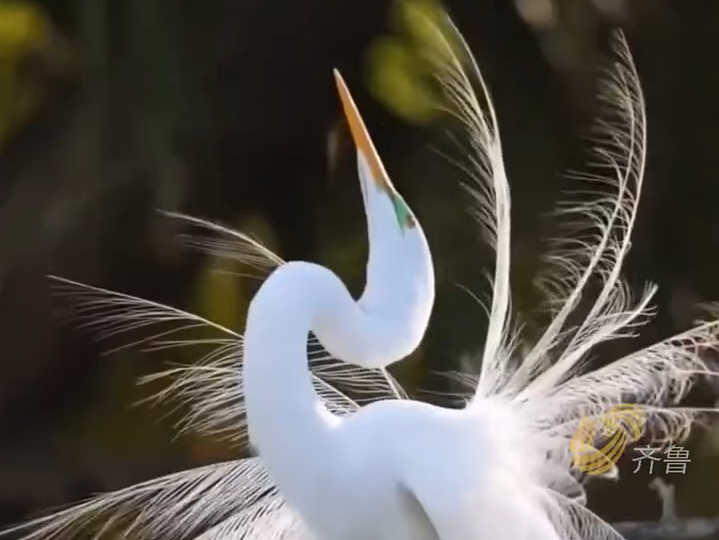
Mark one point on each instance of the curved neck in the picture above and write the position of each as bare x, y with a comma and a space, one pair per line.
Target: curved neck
285, 416
280, 399
286, 420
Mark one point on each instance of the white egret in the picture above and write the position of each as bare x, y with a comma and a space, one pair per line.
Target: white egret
394, 469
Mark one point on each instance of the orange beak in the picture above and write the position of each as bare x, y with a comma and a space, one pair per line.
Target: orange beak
361, 136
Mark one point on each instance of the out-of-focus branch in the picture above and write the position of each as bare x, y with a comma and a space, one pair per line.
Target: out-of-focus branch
669, 526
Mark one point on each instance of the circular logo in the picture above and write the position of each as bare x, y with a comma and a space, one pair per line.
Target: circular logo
619, 426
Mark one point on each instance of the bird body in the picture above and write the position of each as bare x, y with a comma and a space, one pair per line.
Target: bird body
432, 473
407, 470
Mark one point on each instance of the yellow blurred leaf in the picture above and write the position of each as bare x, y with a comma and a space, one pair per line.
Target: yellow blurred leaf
24, 29
22, 25
396, 80
402, 66
425, 22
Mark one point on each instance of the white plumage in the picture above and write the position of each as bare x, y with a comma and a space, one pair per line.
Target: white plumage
330, 468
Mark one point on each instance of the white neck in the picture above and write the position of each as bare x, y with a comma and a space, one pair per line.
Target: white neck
287, 423
283, 411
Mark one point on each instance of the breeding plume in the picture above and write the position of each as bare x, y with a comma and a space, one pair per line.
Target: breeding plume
329, 468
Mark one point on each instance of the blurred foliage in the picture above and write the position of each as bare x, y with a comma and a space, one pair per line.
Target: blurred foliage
402, 64
226, 109
25, 30
22, 28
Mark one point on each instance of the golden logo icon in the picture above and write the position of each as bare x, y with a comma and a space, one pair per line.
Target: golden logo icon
619, 426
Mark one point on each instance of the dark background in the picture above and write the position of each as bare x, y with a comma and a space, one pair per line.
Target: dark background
226, 109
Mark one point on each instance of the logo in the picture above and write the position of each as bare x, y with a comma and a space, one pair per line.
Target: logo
619, 426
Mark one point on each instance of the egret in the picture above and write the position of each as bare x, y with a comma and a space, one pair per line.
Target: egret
502, 466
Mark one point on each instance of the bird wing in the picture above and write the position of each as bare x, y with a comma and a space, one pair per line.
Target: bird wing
178, 505
233, 500
542, 397
549, 389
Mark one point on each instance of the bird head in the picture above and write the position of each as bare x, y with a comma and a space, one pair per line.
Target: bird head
400, 273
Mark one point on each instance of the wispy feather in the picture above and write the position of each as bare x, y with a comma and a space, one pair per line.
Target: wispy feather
210, 387
179, 505
539, 395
